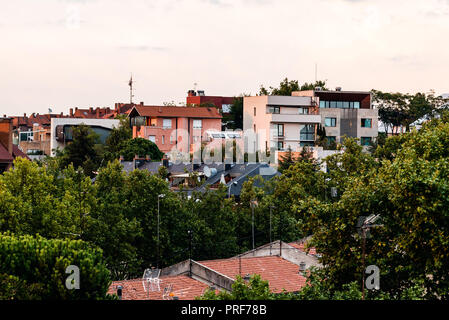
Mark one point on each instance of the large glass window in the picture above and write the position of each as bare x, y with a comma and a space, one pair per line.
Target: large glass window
356, 105
366, 123
340, 104
307, 133
330, 122
303, 110
322, 104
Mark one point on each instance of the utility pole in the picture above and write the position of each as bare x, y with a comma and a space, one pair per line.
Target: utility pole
158, 227
190, 232
130, 83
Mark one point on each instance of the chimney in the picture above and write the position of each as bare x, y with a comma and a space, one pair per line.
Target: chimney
91, 110
97, 112
165, 161
141, 103
302, 267
71, 112
24, 115
338, 89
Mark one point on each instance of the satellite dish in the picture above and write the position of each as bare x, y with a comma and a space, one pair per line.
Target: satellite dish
209, 172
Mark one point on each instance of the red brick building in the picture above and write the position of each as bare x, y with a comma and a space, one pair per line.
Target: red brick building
174, 128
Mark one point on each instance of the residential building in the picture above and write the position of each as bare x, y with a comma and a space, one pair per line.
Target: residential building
8, 151
62, 130
279, 122
200, 177
291, 121
283, 265
345, 113
198, 98
174, 128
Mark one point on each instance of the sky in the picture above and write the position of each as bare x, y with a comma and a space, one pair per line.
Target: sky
62, 54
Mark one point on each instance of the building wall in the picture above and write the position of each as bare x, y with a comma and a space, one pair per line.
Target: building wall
6, 134
106, 123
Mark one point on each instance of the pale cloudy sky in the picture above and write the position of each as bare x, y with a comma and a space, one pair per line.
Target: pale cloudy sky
80, 53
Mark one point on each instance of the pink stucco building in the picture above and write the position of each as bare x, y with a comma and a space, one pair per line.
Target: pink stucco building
174, 128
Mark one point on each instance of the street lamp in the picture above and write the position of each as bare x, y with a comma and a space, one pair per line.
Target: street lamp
234, 183
253, 204
158, 223
365, 225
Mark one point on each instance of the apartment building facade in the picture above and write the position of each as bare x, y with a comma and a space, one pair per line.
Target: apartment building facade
174, 128
281, 122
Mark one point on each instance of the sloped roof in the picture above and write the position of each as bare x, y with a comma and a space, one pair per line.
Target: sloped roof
171, 111
18, 153
184, 287
5, 156
280, 273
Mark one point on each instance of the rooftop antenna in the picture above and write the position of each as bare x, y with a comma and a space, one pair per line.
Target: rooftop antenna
151, 281
195, 86
130, 83
316, 72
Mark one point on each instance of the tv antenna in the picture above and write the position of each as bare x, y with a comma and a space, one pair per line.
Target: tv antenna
151, 281
131, 95
316, 72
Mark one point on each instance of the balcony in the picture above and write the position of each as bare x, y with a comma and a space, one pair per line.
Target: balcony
296, 118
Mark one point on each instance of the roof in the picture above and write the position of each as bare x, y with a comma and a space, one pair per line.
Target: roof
5, 156
184, 287
18, 153
280, 273
175, 112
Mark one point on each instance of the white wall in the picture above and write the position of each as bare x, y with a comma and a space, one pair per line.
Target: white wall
106, 123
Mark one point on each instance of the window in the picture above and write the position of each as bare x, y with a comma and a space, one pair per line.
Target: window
340, 104
163, 139
331, 139
166, 124
307, 133
356, 105
276, 110
330, 122
255, 129
152, 138
322, 104
280, 130
303, 110
333, 104
366, 123
280, 145
197, 124
254, 111
226, 108
365, 141
153, 122
171, 139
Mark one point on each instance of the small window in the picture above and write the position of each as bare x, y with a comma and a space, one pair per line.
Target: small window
152, 138
366, 123
197, 124
330, 122
275, 110
356, 105
280, 145
163, 139
166, 124
171, 139
322, 104
303, 110
365, 141
254, 111
280, 130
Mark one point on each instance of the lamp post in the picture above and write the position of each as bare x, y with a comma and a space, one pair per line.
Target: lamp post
253, 204
367, 223
234, 183
158, 223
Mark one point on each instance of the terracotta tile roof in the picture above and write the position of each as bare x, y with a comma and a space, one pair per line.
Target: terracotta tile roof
184, 287
18, 153
280, 273
302, 246
5, 156
171, 111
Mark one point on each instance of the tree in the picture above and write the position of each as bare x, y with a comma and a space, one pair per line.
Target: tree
117, 137
286, 160
82, 152
39, 265
234, 120
141, 147
255, 289
113, 228
286, 87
